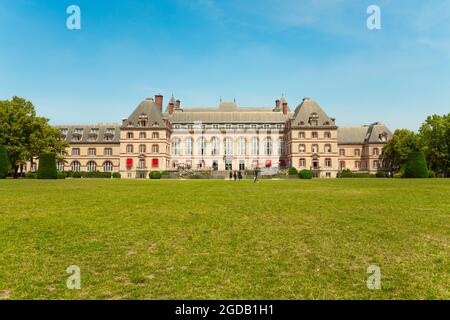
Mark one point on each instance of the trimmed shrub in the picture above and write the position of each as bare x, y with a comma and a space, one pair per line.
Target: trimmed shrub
5, 164
381, 174
47, 166
165, 173
416, 165
305, 174
293, 172
30, 175
155, 175
61, 175
116, 175
431, 174
347, 173
76, 175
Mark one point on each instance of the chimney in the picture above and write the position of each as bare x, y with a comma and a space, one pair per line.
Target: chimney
177, 104
285, 108
159, 101
171, 107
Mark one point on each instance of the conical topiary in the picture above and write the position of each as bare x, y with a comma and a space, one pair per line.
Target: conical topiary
416, 165
47, 166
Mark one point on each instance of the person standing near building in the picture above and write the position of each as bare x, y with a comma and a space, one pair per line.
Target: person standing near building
231, 175
239, 175
256, 174
234, 176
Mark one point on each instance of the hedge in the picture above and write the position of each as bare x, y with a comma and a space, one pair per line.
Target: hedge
154, 175
30, 175
293, 172
347, 173
47, 166
416, 165
116, 175
305, 174
5, 165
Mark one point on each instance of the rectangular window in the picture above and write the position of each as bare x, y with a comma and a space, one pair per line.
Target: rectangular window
155, 135
92, 151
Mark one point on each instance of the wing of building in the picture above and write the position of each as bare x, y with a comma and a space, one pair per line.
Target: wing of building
227, 137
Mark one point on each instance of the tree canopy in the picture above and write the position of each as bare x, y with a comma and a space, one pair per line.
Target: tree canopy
397, 150
25, 134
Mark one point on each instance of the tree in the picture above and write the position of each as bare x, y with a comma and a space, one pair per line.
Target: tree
397, 150
5, 166
435, 141
416, 165
47, 166
24, 134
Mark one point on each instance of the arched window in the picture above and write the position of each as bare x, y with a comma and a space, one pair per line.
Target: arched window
176, 146
91, 166
255, 146
60, 166
228, 146
242, 146
107, 166
215, 145
201, 145
188, 143
75, 166
268, 146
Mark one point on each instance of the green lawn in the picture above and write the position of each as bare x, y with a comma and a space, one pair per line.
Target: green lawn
196, 239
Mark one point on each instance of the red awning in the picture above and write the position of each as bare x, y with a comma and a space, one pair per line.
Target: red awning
268, 163
129, 163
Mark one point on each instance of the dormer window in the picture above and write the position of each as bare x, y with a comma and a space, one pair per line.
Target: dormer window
77, 134
109, 134
314, 119
143, 120
383, 137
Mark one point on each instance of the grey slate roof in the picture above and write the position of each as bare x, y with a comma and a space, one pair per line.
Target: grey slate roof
365, 134
87, 129
228, 112
306, 109
149, 108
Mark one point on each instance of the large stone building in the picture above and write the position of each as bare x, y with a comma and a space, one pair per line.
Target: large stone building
223, 138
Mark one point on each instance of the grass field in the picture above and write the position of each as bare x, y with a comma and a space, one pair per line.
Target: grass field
196, 239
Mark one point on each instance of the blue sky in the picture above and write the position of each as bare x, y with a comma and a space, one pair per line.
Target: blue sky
201, 50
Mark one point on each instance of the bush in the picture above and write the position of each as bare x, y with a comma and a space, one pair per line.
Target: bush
116, 175
96, 174
155, 175
165, 173
30, 175
416, 165
5, 165
76, 175
305, 174
381, 174
292, 171
61, 175
347, 173
431, 174
47, 166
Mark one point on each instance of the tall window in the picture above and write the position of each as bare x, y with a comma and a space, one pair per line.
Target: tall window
142, 149
328, 148
281, 146
155, 148
130, 148
327, 135
302, 163
228, 145
201, 144
130, 135
376, 151
214, 146
155, 135
268, 146
242, 146
107, 151
255, 146
75, 166
188, 143
342, 152
92, 151
76, 151
314, 135
376, 164
142, 135
141, 164
60, 166
315, 148
107, 166
341, 165
357, 152
301, 135
91, 166
328, 163
176, 146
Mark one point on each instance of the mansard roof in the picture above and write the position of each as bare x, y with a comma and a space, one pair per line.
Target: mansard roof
95, 133
308, 110
149, 110
366, 134
228, 112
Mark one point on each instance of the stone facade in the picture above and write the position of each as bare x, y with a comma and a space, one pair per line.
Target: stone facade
224, 138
